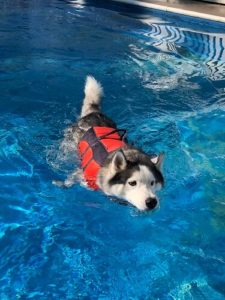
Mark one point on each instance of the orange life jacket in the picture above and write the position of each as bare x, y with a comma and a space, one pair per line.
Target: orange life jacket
94, 148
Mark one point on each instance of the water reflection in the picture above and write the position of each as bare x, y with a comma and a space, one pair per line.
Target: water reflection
208, 47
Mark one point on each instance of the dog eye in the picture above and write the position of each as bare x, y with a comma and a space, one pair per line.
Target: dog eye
152, 182
132, 183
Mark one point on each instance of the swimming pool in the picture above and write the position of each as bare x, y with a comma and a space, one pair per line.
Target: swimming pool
164, 80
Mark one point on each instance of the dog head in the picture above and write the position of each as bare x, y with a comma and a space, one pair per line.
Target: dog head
135, 177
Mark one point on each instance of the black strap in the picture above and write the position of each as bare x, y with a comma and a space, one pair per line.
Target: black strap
123, 135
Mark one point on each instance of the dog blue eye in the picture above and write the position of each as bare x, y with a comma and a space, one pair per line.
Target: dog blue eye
152, 182
132, 183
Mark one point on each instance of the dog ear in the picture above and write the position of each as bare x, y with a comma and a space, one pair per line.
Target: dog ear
119, 161
158, 160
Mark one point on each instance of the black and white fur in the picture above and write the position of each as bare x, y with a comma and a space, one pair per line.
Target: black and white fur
129, 173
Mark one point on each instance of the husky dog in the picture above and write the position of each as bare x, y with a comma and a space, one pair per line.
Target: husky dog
126, 173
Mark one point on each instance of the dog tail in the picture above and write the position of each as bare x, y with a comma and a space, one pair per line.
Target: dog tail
93, 94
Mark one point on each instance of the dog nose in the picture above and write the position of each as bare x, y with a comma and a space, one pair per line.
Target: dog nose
151, 203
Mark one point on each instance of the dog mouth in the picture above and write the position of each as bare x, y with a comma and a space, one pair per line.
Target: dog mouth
151, 207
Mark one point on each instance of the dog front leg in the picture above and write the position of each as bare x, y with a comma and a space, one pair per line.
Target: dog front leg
76, 176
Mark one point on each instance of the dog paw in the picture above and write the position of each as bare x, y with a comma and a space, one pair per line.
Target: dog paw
58, 183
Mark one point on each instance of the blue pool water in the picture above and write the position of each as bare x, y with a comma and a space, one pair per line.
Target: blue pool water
164, 80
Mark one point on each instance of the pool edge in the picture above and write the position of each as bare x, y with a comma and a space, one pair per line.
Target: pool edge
181, 11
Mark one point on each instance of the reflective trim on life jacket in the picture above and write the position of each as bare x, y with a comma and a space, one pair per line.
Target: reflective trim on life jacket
94, 148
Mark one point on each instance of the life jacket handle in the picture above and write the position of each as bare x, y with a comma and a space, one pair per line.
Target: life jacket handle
123, 135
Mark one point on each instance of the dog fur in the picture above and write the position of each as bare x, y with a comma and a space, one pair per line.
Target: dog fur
129, 173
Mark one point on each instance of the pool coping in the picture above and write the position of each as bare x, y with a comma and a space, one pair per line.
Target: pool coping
179, 8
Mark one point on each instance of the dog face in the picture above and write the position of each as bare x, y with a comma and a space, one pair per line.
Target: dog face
135, 181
